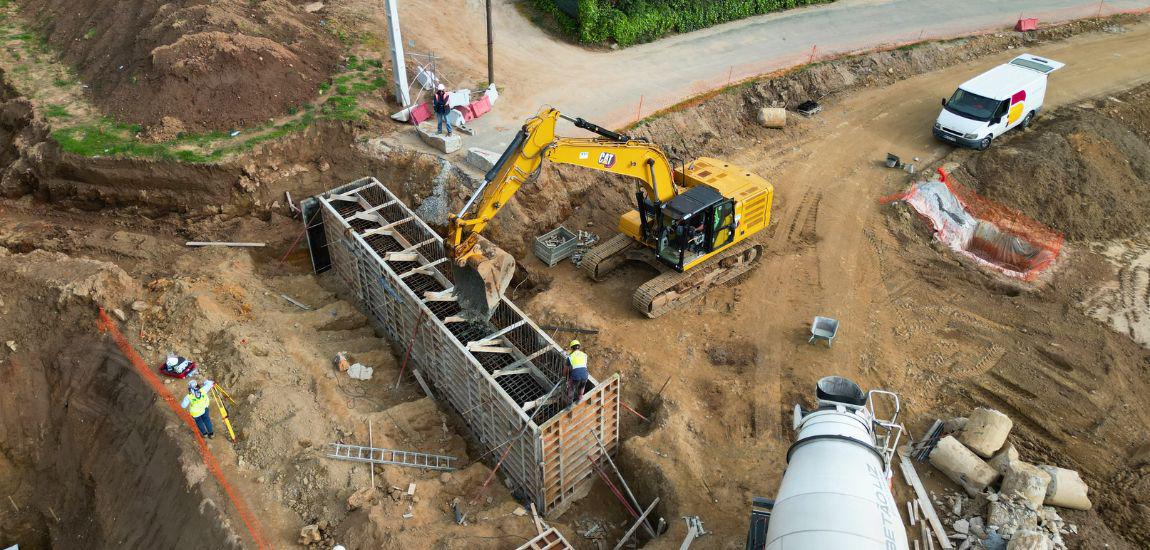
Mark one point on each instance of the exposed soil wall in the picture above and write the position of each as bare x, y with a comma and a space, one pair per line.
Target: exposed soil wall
213, 65
82, 438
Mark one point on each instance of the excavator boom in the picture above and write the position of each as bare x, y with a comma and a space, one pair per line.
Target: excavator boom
482, 271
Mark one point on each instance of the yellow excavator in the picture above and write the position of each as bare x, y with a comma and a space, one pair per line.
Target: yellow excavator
692, 224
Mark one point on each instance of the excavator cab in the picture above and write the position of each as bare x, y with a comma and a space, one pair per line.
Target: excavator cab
692, 225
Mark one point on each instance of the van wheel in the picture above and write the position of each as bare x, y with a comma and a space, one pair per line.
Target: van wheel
1026, 121
985, 143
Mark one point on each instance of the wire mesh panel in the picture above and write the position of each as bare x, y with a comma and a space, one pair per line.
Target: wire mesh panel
505, 376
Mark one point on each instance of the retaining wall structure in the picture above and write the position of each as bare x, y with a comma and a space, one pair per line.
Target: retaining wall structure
506, 378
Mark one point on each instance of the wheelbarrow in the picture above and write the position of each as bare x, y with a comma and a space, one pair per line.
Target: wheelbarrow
824, 328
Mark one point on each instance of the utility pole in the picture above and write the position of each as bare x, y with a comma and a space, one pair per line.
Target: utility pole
490, 48
398, 65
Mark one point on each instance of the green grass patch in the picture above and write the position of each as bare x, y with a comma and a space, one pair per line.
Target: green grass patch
56, 111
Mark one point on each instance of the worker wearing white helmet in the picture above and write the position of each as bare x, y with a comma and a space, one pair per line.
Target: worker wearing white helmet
577, 358
197, 401
440, 104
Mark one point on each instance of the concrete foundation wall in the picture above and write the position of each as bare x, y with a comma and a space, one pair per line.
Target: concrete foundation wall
505, 378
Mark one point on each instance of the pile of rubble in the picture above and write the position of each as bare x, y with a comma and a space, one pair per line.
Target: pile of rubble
1008, 504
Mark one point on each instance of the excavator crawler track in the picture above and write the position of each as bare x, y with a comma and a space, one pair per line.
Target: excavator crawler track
605, 257
670, 290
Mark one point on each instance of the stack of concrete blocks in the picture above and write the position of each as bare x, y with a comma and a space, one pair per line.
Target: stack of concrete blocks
1017, 496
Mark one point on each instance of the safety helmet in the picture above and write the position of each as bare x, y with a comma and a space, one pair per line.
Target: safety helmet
172, 360
573, 344
441, 87
192, 384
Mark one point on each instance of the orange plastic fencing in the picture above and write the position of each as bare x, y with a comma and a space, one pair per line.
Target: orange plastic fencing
1028, 247
105, 325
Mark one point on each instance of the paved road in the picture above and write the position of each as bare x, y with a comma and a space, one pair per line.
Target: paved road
607, 86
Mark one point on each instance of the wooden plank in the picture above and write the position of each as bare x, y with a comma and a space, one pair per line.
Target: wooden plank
227, 244
924, 502
638, 522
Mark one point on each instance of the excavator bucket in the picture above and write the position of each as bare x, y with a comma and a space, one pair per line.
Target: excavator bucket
481, 282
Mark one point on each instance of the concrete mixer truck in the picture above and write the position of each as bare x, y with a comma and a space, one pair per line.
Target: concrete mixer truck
836, 490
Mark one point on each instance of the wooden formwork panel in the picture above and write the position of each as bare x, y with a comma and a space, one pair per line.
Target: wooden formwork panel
505, 378
568, 445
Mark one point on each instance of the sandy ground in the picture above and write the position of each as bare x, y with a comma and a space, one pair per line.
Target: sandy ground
734, 363
831, 254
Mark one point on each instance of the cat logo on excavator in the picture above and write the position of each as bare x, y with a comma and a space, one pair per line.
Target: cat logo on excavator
607, 159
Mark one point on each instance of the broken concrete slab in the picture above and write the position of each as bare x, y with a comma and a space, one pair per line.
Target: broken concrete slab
985, 432
962, 466
443, 142
1066, 489
1029, 541
481, 158
1025, 480
1003, 457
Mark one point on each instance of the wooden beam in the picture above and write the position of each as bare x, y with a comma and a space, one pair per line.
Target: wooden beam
509, 372
400, 257
638, 522
924, 502
228, 244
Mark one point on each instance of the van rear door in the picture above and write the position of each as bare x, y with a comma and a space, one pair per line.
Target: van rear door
1035, 63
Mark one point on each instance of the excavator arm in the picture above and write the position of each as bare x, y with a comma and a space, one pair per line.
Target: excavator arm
482, 271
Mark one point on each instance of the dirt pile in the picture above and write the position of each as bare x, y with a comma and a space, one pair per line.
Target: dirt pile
212, 65
1082, 171
81, 436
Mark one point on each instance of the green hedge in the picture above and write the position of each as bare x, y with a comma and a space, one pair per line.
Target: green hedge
628, 22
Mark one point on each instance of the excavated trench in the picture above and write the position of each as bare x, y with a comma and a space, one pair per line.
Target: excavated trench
88, 456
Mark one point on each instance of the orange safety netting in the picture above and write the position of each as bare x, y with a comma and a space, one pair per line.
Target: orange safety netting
1004, 236
105, 325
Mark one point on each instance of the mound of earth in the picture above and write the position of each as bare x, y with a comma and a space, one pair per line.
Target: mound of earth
216, 65
1082, 172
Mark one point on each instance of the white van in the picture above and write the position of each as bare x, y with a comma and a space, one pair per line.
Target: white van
993, 102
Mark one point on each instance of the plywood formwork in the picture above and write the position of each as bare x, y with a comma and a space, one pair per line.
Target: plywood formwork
506, 377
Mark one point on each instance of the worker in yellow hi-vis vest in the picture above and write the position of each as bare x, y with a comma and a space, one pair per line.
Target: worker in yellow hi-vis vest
579, 375
197, 401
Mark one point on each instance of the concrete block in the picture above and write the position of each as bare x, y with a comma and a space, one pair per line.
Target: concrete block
772, 117
962, 466
443, 142
481, 158
1066, 489
986, 431
1029, 541
1003, 457
1025, 480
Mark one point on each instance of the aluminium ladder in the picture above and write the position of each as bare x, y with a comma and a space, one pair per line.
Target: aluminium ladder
376, 455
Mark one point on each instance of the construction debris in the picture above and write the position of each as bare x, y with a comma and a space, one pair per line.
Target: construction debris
809, 108
694, 531
359, 372
1019, 514
587, 240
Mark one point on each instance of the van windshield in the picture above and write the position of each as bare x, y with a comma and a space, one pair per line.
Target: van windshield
973, 106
